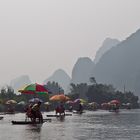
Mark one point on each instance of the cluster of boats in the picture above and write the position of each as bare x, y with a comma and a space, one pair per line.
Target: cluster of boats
47, 119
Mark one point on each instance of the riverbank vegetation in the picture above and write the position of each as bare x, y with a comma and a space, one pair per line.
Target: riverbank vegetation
95, 92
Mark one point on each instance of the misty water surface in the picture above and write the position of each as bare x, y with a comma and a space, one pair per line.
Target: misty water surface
98, 125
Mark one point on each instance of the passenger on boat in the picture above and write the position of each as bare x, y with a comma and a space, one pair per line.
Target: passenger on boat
57, 110
62, 110
36, 112
80, 109
70, 108
29, 112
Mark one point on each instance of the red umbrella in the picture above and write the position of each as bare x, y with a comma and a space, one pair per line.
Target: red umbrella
114, 102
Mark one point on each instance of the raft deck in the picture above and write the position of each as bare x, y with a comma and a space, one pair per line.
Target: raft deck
29, 122
51, 115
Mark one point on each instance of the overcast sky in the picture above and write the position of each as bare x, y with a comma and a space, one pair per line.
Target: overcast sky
38, 37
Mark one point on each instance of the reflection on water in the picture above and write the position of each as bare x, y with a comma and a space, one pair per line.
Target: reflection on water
99, 125
33, 132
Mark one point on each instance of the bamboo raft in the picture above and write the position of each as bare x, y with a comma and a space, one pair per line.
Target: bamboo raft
29, 122
78, 112
51, 115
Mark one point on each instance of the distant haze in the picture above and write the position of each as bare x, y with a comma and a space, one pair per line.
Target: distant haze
39, 37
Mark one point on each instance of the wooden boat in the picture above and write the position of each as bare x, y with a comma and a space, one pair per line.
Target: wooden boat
29, 122
58, 115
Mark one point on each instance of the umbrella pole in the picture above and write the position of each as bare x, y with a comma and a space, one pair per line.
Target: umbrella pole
36, 95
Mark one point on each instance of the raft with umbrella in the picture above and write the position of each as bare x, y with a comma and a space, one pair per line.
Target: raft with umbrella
10, 106
34, 89
114, 106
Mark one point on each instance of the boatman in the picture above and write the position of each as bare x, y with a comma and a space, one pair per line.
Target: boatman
36, 112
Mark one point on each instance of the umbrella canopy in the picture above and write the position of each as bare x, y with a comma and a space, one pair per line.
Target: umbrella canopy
46, 103
10, 102
114, 102
79, 101
93, 104
60, 97
35, 100
34, 89
21, 103
69, 102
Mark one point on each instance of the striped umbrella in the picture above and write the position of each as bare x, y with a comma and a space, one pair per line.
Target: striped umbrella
34, 89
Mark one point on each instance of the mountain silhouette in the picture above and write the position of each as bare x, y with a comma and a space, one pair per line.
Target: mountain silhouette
106, 46
82, 69
120, 65
19, 82
61, 77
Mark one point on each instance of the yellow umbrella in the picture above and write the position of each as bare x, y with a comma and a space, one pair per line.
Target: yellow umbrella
10, 102
80, 101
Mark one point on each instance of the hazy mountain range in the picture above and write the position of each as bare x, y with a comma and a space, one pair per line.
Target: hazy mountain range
115, 63
81, 73
107, 45
61, 77
19, 82
120, 66
82, 70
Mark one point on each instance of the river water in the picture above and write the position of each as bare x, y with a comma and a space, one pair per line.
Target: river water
97, 125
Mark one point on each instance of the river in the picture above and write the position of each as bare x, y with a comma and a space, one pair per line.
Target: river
97, 125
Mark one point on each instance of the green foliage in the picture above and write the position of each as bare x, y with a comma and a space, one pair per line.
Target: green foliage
7, 93
54, 87
101, 93
92, 80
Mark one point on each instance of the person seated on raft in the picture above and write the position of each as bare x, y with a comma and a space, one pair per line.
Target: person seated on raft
36, 112
62, 110
57, 110
80, 109
28, 111
70, 108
